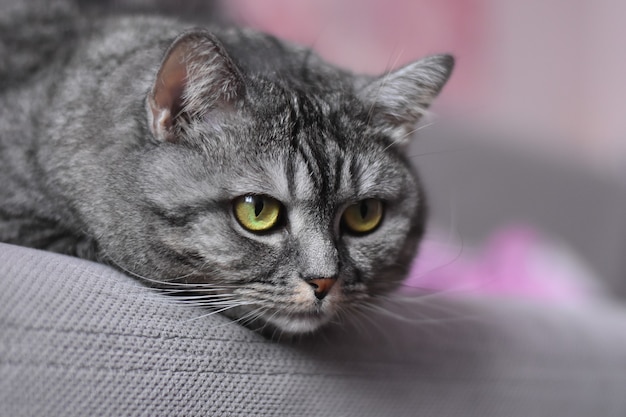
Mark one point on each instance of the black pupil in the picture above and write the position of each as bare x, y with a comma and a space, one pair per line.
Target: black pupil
363, 210
258, 206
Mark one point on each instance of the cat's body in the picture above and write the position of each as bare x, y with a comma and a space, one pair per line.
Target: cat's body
138, 146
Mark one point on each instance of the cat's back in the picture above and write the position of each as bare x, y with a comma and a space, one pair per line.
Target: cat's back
60, 90
34, 33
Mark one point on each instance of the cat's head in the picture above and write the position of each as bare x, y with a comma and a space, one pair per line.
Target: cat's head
278, 190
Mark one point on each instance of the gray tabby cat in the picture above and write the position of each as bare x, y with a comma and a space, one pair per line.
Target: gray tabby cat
224, 163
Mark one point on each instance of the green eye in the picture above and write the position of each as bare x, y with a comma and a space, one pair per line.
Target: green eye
257, 213
364, 216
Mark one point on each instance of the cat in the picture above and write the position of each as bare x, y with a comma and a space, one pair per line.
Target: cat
222, 162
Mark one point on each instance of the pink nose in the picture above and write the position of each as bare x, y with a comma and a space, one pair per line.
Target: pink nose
321, 286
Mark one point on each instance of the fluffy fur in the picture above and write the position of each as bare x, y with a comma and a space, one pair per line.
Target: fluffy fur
127, 140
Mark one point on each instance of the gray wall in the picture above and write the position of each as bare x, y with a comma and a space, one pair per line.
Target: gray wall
482, 186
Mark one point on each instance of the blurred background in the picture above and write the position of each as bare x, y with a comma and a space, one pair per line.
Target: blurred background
525, 154
550, 69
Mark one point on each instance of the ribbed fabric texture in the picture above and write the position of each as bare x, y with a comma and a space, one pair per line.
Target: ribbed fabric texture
81, 339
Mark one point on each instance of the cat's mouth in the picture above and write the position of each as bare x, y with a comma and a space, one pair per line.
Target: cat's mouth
303, 311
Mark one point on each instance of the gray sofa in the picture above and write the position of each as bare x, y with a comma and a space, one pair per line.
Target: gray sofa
81, 339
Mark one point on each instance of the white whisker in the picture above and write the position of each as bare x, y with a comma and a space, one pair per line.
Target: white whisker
228, 307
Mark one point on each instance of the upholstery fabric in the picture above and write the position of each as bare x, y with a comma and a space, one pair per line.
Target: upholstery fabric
82, 339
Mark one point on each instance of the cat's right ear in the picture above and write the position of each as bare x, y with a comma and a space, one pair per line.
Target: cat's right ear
399, 99
196, 77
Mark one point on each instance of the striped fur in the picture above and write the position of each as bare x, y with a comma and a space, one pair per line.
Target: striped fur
86, 168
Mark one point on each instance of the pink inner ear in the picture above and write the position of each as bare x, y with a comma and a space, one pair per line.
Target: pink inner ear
170, 84
167, 94
196, 77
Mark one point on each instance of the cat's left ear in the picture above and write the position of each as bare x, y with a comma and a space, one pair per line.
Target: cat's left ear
196, 77
399, 99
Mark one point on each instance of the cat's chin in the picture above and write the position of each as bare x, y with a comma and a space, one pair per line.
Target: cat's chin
278, 324
297, 324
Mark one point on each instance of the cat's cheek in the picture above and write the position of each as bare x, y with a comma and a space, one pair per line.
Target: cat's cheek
376, 255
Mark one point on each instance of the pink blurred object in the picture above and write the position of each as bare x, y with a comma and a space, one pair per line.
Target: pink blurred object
372, 36
516, 262
551, 72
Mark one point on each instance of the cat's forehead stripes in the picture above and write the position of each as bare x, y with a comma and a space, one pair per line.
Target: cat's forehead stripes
286, 179
323, 164
265, 177
303, 184
310, 150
